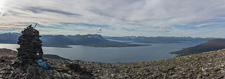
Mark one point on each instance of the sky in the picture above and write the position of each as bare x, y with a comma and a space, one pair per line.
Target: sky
195, 18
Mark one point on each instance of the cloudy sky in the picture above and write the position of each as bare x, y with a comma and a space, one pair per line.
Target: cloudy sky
196, 18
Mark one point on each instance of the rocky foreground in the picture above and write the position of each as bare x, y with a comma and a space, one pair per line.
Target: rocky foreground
198, 66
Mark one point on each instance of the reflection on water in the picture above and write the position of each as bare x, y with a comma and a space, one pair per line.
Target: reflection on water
114, 54
9, 46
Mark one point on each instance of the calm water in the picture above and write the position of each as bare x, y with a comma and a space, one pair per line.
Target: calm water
114, 54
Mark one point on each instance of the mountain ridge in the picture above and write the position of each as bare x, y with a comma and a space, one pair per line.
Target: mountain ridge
211, 45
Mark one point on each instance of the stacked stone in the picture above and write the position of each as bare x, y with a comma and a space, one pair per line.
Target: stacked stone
30, 45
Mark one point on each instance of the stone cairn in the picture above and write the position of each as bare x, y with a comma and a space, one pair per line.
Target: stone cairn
26, 66
30, 46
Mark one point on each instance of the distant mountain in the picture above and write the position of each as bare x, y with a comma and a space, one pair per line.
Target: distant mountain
63, 41
87, 40
141, 39
55, 40
9, 37
212, 45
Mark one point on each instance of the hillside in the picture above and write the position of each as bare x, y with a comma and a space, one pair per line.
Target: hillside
198, 66
212, 45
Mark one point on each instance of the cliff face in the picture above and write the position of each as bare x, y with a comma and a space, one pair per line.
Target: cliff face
201, 66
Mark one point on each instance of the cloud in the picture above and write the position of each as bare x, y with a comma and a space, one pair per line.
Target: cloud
85, 24
118, 18
40, 10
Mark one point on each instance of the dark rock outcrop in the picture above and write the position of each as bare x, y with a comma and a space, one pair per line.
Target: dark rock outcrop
61, 69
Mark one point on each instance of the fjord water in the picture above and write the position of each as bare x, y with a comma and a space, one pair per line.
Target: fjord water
156, 51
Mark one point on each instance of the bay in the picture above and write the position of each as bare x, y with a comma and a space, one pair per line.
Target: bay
157, 51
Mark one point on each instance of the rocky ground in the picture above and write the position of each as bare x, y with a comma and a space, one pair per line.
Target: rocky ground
207, 65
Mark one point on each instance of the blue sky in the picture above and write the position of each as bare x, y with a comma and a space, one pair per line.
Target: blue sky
195, 18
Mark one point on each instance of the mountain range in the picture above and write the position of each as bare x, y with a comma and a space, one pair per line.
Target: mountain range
63, 41
97, 40
9, 37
